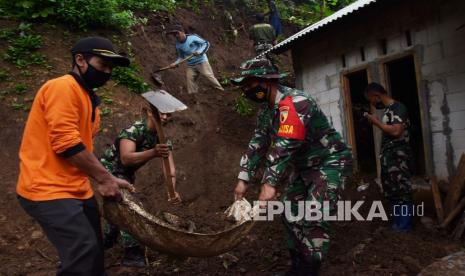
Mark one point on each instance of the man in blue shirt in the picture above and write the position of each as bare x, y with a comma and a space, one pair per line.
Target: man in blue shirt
275, 19
192, 44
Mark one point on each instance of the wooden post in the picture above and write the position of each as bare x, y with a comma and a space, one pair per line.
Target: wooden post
458, 231
456, 187
437, 199
454, 213
166, 161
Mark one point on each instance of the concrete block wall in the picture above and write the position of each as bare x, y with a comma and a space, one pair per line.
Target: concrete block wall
443, 74
321, 80
440, 46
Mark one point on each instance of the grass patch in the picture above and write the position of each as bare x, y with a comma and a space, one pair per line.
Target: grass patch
243, 106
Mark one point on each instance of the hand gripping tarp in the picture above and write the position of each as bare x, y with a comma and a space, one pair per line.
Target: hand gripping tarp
162, 236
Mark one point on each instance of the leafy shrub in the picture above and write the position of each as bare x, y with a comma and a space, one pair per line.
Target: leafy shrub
243, 106
148, 5
20, 88
5, 34
22, 50
84, 13
130, 77
105, 111
298, 12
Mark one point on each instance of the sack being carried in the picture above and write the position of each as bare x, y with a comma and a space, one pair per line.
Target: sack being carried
158, 234
241, 211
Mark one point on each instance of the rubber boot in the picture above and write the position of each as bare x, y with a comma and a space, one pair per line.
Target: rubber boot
133, 257
405, 220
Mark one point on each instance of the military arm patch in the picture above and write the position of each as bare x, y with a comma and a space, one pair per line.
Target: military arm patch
290, 125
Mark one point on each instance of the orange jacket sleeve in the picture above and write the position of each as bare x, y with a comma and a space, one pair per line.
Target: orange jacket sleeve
61, 108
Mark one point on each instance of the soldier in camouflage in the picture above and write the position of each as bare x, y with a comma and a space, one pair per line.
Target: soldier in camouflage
293, 135
396, 154
132, 149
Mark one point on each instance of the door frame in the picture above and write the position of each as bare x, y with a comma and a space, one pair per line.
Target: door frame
349, 117
421, 94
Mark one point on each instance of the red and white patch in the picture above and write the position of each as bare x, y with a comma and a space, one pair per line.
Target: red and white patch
290, 125
283, 114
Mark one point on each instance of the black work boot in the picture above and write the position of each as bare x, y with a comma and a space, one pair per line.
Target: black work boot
133, 257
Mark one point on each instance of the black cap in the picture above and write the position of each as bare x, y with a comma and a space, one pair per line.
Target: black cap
101, 47
174, 29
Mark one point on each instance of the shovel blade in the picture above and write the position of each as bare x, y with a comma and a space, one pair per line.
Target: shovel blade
164, 101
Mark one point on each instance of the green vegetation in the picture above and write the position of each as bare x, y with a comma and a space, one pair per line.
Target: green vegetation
298, 12
131, 78
26, 73
23, 46
107, 100
4, 76
310, 12
3, 94
243, 106
84, 13
20, 88
6, 33
105, 111
17, 106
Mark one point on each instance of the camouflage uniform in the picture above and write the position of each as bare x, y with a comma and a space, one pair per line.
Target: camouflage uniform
396, 156
296, 137
145, 139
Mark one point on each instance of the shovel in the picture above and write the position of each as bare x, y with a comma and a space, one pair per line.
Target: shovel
163, 102
157, 77
169, 67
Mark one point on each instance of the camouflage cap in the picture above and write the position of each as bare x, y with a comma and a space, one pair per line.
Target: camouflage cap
260, 68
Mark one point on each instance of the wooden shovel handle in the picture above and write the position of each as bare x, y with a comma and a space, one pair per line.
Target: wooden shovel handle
162, 140
169, 67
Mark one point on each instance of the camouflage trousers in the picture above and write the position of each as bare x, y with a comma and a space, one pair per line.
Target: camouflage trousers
262, 47
309, 239
113, 234
396, 174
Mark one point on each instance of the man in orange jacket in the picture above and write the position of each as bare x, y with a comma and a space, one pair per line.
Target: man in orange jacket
56, 159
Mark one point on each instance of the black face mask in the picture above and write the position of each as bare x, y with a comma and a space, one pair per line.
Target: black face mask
380, 105
95, 78
257, 94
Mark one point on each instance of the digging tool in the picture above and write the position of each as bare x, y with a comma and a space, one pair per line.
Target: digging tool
157, 77
169, 66
163, 102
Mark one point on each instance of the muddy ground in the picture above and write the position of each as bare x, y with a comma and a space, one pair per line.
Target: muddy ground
209, 139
